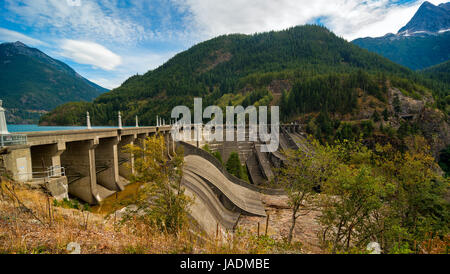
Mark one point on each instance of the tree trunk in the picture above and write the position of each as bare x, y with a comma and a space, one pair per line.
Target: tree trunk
291, 230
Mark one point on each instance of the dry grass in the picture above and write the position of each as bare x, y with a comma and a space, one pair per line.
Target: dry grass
30, 224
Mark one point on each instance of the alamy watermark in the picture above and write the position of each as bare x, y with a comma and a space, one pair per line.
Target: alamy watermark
234, 126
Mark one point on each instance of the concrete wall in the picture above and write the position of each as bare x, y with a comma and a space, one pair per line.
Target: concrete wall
17, 160
107, 164
244, 149
126, 160
79, 160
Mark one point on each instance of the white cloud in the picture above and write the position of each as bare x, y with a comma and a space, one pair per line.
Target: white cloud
13, 36
129, 29
90, 53
100, 20
347, 18
145, 61
106, 83
139, 63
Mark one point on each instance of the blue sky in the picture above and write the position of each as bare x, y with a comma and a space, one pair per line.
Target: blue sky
107, 41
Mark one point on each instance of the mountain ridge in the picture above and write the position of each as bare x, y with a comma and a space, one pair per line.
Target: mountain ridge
33, 83
228, 64
429, 19
421, 43
334, 88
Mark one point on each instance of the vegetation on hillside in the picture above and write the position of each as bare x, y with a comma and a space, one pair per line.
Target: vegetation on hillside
235, 167
257, 68
439, 72
299, 177
383, 195
162, 197
29, 224
331, 93
216, 154
444, 162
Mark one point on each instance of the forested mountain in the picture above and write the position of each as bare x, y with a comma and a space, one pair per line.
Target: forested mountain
231, 64
440, 72
423, 42
32, 83
306, 70
416, 52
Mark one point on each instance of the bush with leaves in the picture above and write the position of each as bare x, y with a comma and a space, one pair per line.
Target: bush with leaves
300, 176
444, 162
162, 197
216, 154
394, 198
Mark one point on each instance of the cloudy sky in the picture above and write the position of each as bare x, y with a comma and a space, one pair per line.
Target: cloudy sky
107, 41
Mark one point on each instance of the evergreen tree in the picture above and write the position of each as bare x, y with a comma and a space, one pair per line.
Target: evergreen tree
234, 165
385, 114
376, 117
396, 103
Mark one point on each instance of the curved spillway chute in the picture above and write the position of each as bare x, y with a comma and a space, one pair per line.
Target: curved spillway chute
207, 209
247, 200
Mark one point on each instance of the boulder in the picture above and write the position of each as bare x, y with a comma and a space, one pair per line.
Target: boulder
58, 188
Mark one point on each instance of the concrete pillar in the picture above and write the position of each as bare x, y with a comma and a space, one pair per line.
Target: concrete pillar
107, 164
17, 160
58, 150
92, 169
167, 142
79, 161
126, 160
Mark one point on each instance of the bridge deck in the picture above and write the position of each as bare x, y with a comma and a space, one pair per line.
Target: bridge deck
51, 137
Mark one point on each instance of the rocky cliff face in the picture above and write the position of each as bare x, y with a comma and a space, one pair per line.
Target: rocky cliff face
435, 128
431, 122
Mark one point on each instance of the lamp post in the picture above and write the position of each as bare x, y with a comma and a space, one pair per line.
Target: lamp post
88, 121
120, 121
3, 126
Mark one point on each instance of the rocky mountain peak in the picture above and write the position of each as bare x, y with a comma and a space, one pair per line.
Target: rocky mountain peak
429, 19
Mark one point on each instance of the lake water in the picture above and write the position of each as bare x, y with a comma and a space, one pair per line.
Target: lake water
34, 128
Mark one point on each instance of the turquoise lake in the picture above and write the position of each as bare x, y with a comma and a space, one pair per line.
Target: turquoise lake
34, 128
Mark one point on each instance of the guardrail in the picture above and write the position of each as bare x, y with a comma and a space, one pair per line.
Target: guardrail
50, 172
13, 140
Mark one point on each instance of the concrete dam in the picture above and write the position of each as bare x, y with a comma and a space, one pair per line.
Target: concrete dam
91, 165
